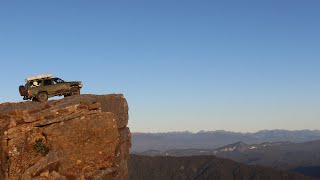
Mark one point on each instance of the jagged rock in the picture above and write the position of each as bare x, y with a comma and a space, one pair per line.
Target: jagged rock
79, 137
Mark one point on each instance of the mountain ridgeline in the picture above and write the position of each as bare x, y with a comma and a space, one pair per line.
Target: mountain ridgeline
215, 139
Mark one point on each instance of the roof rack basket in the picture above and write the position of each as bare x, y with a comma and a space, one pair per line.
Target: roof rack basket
41, 76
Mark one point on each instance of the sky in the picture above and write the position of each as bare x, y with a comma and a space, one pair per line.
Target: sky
183, 65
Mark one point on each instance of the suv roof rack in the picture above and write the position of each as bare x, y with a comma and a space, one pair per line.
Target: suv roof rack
41, 76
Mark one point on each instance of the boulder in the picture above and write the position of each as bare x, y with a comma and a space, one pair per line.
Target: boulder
78, 137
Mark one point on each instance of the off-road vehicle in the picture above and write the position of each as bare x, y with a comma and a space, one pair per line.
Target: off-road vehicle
40, 88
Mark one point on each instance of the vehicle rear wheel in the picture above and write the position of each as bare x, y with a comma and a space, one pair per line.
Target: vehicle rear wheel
74, 91
42, 97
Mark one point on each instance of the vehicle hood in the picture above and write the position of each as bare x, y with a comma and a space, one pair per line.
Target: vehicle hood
75, 82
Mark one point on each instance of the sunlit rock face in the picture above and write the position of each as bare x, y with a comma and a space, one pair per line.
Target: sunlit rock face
79, 137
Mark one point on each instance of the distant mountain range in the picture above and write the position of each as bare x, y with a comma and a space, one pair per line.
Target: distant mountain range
215, 139
201, 167
299, 157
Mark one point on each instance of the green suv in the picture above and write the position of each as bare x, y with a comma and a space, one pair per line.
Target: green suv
40, 88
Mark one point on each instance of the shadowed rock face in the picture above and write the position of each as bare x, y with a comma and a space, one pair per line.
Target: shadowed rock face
80, 137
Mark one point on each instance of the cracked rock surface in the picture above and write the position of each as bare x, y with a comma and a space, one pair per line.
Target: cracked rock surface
79, 137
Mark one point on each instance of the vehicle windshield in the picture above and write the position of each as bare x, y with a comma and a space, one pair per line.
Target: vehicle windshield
57, 80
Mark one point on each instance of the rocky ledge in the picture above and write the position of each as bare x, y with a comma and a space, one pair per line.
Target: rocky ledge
79, 137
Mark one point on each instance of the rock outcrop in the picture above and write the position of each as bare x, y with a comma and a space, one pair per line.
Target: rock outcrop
79, 137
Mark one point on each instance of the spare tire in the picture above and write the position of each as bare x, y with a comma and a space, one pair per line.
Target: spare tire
22, 90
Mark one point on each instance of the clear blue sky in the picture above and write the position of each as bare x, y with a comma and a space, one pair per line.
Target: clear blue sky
183, 65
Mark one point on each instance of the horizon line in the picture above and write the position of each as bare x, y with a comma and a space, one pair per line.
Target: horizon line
203, 131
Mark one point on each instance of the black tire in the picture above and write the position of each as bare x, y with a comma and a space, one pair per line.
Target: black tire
22, 90
34, 99
42, 97
74, 91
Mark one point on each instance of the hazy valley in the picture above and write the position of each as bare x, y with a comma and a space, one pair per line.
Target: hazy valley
278, 149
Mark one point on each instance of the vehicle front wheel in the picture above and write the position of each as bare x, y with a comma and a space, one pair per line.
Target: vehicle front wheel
42, 97
74, 91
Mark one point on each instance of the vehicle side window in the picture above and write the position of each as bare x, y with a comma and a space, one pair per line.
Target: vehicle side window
47, 82
39, 83
35, 83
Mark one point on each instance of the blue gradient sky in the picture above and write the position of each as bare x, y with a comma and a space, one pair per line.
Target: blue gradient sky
183, 65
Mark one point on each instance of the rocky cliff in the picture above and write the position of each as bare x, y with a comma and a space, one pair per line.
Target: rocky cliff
80, 137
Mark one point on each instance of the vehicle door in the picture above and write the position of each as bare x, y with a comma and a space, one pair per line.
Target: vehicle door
48, 86
60, 86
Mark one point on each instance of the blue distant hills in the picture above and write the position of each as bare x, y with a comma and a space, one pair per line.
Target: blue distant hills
215, 139
295, 151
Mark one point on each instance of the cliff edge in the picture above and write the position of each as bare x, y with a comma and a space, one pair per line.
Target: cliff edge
79, 137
